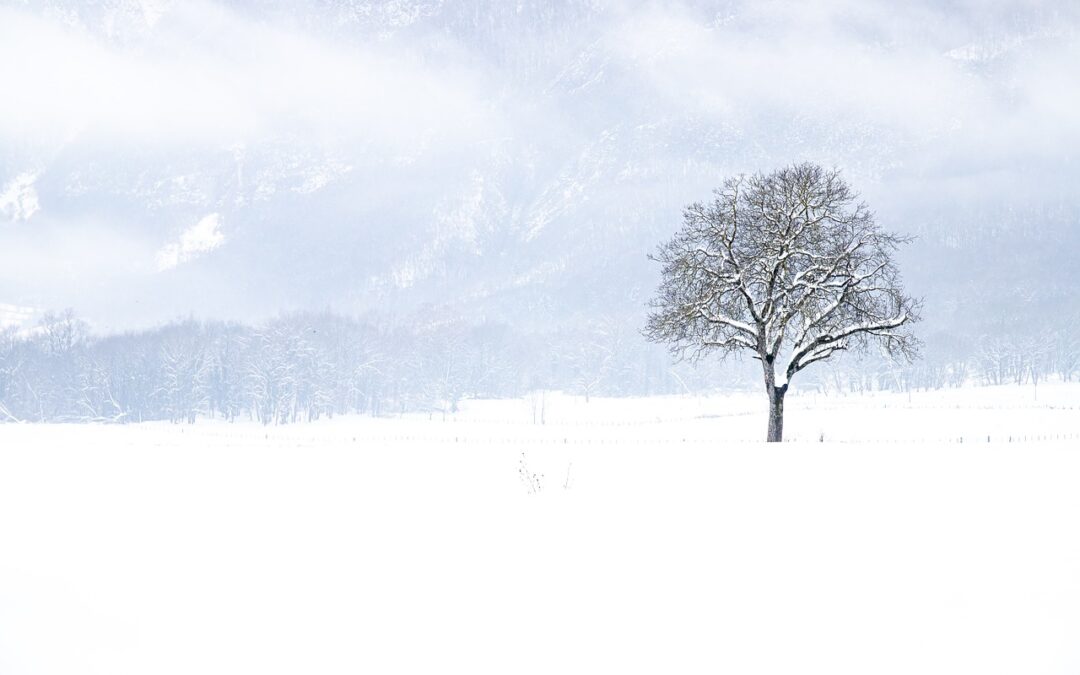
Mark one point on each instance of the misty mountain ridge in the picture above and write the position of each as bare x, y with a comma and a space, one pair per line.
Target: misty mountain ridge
589, 137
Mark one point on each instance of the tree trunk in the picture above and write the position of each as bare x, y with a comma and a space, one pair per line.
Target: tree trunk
776, 414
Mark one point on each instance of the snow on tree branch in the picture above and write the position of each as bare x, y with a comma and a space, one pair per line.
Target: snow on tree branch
787, 264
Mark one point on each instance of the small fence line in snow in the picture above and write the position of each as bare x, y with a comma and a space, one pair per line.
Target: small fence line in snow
308, 441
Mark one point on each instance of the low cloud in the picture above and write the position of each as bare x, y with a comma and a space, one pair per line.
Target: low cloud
364, 124
203, 73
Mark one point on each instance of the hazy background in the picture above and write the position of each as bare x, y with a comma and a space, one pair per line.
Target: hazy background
514, 161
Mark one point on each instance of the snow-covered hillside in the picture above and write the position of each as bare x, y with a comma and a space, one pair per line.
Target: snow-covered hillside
492, 156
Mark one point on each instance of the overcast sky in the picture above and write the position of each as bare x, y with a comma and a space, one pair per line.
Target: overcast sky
150, 148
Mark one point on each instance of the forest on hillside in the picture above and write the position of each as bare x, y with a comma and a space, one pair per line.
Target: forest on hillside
305, 366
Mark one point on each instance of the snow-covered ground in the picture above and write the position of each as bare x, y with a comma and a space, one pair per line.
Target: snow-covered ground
649, 535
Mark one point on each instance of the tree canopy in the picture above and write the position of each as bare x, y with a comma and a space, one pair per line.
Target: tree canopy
790, 266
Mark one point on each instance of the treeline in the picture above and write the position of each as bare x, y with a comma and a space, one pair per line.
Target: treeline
1024, 357
306, 366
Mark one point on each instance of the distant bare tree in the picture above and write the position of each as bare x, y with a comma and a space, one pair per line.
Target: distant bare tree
185, 370
63, 331
12, 359
788, 266
593, 358
995, 359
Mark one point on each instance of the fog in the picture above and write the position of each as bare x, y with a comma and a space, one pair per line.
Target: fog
515, 163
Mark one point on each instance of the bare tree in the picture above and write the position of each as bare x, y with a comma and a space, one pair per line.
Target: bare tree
1067, 351
789, 266
185, 370
63, 331
12, 360
594, 355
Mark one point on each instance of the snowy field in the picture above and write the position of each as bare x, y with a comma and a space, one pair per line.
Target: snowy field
936, 533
